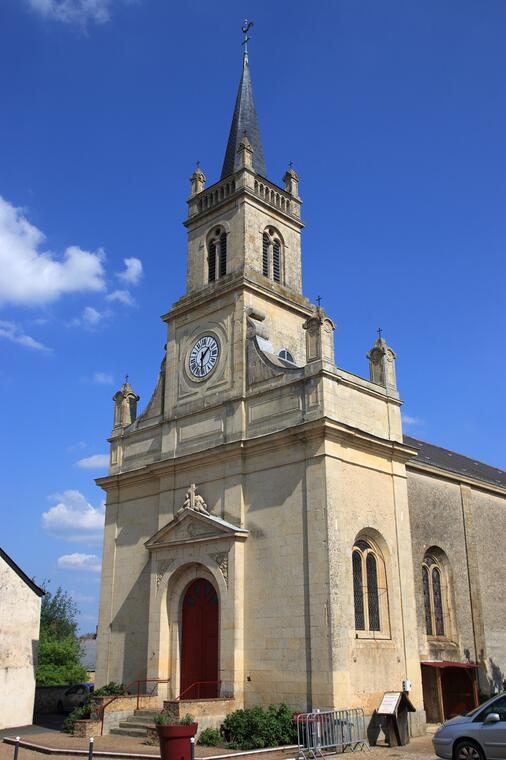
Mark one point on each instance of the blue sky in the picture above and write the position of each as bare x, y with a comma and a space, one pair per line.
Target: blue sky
394, 115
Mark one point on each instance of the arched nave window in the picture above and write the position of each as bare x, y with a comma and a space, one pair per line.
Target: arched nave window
436, 597
369, 588
217, 254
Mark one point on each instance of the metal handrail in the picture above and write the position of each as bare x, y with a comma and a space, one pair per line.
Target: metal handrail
138, 682
197, 683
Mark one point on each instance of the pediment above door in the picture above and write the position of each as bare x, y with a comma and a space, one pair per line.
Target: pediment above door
189, 527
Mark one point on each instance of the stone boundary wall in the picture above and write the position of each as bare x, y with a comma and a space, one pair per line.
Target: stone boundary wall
84, 729
208, 713
46, 698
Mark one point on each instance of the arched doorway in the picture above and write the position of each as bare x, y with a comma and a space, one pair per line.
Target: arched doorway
199, 641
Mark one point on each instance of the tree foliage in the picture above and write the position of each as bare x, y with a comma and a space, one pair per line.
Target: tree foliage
59, 651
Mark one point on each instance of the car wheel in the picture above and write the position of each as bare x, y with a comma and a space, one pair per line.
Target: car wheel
468, 750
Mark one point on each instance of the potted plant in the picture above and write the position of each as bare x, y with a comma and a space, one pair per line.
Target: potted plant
174, 735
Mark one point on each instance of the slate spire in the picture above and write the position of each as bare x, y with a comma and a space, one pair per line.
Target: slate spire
244, 120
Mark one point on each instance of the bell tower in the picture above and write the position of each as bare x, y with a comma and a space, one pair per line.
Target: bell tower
244, 224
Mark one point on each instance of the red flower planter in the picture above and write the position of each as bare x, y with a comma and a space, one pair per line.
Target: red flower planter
175, 741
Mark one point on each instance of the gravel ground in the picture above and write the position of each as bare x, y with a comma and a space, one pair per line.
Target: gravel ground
420, 748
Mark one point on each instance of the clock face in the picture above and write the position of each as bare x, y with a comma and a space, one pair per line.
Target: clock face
203, 356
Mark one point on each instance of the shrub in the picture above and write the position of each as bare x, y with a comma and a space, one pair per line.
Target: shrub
78, 713
112, 689
257, 727
166, 719
210, 737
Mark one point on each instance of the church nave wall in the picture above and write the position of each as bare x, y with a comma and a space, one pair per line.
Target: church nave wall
367, 508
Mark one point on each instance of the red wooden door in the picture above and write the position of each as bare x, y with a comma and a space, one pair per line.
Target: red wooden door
199, 641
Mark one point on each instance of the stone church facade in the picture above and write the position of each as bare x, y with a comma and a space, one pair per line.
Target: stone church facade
271, 535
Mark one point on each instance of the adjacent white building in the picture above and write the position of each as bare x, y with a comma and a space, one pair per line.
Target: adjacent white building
20, 600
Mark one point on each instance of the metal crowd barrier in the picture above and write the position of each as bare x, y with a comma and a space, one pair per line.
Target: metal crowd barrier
330, 731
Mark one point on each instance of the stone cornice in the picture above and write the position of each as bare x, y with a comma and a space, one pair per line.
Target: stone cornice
192, 301
322, 428
455, 477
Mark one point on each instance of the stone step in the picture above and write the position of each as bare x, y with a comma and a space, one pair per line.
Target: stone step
136, 723
147, 714
140, 733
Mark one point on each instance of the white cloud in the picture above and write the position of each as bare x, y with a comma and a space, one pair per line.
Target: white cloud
123, 296
95, 461
407, 420
73, 518
32, 277
73, 11
133, 271
90, 318
78, 561
102, 378
14, 333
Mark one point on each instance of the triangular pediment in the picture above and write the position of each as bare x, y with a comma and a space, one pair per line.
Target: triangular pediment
189, 526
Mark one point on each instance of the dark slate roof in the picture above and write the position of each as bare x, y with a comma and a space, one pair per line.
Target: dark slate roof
244, 120
36, 589
453, 462
88, 652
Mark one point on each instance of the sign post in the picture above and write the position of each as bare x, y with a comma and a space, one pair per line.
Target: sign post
395, 706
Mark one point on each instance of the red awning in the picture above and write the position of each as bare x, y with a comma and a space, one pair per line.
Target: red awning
448, 664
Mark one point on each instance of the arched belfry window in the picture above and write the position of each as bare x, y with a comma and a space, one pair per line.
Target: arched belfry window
272, 255
369, 589
436, 596
217, 254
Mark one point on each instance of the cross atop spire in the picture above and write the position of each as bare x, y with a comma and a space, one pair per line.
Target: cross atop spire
244, 120
245, 29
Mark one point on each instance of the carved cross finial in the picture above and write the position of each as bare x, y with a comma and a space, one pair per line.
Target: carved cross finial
318, 301
194, 500
245, 29
126, 379
380, 333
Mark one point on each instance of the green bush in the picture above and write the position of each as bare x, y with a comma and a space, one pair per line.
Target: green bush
167, 719
78, 713
111, 689
257, 728
210, 737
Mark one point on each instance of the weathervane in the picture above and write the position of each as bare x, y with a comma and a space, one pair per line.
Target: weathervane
245, 29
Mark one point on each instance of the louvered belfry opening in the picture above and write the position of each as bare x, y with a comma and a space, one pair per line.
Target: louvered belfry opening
223, 254
276, 261
265, 255
212, 260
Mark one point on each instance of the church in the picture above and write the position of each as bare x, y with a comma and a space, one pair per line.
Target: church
271, 535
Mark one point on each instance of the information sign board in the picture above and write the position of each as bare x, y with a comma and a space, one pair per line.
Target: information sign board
389, 703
